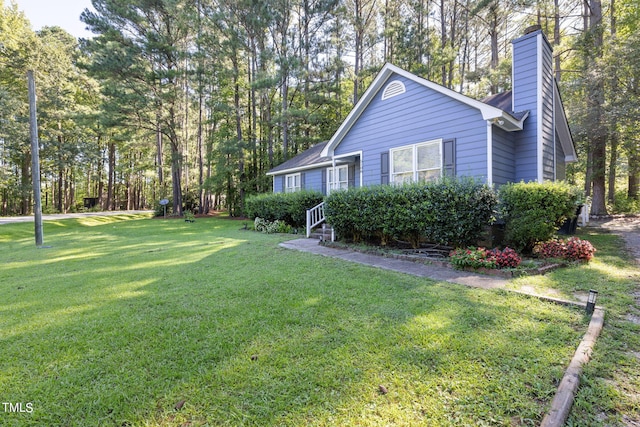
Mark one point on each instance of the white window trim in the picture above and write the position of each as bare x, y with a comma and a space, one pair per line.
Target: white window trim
331, 182
415, 170
296, 178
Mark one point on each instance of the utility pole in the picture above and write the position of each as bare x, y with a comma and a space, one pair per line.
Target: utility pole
35, 159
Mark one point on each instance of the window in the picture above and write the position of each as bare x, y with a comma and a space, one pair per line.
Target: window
292, 183
341, 177
417, 163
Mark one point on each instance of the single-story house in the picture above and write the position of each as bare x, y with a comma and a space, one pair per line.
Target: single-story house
406, 128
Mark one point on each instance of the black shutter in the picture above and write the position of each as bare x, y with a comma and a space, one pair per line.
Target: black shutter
384, 167
449, 157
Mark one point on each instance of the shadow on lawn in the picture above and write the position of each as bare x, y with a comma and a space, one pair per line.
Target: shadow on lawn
249, 334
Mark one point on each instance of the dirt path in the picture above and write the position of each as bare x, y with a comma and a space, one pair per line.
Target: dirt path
628, 228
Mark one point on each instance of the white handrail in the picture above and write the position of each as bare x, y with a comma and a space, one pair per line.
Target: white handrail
315, 216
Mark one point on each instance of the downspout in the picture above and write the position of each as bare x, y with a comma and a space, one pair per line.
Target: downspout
489, 153
553, 121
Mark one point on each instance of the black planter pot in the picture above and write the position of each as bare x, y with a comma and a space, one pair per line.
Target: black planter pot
571, 224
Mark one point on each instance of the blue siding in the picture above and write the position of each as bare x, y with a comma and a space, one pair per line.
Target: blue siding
525, 96
504, 169
278, 184
312, 180
530, 82
548, 131
418, 115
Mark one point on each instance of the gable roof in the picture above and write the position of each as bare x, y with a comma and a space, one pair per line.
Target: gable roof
308, 159
501, 118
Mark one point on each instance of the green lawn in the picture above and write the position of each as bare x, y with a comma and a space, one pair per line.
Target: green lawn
609, 393
124, 318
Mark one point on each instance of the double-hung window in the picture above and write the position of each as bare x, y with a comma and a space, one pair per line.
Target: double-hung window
417, 163
293, 183
338, 178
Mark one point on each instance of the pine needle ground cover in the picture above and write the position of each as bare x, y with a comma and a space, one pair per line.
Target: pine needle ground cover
129, 321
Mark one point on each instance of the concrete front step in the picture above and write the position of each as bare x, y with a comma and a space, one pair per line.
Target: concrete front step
322, 233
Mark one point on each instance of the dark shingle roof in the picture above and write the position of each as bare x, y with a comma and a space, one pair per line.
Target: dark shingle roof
307, 158
503, 102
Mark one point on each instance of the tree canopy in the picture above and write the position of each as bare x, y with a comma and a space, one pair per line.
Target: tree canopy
195, 100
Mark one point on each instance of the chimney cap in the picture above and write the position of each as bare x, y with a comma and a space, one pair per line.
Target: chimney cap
532, 29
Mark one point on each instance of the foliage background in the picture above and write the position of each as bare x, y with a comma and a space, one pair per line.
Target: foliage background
203, 97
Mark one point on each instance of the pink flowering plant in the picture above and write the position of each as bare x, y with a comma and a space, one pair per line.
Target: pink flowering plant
571, 249
507, 258
479, 257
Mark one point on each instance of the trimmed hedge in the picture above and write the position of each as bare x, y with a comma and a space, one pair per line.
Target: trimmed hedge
533, 212
288, 207
448, 211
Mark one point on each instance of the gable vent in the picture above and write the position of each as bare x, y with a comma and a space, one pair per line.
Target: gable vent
394, 88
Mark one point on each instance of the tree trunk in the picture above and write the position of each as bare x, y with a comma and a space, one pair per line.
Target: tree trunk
25, 200
633, 191
595, 104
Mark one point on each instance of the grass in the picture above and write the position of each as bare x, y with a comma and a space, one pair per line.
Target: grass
125, 318
609, 393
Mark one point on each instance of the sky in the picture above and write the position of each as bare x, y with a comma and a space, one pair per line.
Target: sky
63, 13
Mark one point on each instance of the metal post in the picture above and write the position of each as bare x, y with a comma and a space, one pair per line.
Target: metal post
35, 159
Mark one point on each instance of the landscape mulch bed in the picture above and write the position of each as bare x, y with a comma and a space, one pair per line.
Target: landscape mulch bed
438, 256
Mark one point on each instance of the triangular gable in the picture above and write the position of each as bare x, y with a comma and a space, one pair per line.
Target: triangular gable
501, 118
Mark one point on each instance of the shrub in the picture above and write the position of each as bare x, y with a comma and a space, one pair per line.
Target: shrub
463, 208
472, 257
507, 258
572, 249
449, 211
550, 249
623, 204
533, 212
270, 227
578, 249
288, 207
482, 258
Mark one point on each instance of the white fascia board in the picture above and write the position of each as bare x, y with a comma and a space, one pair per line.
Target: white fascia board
562, 127
299, 169
539, 100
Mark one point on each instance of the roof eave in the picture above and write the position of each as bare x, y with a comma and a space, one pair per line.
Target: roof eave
509, 123
300, 168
